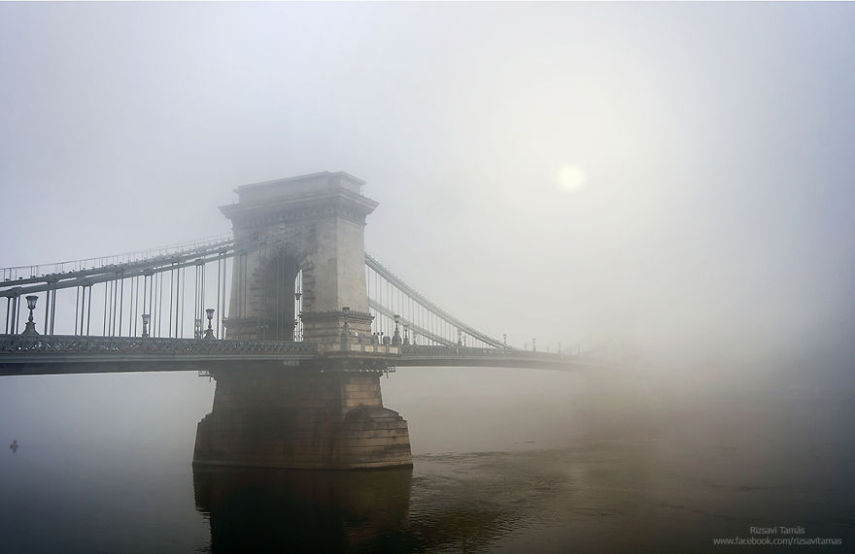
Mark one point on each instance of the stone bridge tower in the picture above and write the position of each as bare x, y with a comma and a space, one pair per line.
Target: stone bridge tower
328, 414
314, 224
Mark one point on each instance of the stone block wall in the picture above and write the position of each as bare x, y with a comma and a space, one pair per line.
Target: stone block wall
296, 418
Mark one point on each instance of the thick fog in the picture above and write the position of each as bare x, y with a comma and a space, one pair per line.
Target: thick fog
668, 185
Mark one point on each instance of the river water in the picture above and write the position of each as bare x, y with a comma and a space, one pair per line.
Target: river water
504, 461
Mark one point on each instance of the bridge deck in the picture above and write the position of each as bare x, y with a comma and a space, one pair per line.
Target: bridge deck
42, 355
20, 355
430, 356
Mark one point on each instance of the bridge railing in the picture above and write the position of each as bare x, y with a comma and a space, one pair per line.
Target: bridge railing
64, 344
464, 351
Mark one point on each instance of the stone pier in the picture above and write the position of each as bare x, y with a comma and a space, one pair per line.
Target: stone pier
301, 419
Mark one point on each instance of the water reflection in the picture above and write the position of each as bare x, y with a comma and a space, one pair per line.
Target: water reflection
602, 495
301, 511
359, 511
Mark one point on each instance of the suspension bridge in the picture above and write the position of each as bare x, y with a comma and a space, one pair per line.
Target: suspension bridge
289, 314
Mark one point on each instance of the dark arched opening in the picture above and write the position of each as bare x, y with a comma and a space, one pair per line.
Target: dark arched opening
281, 296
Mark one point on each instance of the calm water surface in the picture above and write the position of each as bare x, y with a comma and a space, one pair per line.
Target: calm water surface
505, 461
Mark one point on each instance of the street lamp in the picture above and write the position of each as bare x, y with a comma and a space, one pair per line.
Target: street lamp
209, 332
30, 328
396, 338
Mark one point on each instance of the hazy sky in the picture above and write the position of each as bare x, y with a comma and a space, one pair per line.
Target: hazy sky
678, 176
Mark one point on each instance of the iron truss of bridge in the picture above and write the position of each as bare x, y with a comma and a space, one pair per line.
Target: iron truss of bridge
163, 310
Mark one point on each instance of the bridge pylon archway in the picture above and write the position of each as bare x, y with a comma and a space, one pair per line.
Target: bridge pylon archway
313, 224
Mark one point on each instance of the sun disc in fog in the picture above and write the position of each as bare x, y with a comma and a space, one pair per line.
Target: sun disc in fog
571, 178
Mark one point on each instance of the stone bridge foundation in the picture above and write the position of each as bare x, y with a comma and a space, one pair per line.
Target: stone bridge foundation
301, 419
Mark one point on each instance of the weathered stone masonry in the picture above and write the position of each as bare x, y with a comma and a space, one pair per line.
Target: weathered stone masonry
301, 419
317, 416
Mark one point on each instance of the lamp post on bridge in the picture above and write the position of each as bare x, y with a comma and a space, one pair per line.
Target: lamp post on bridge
30, 328
396, 338
209, 332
